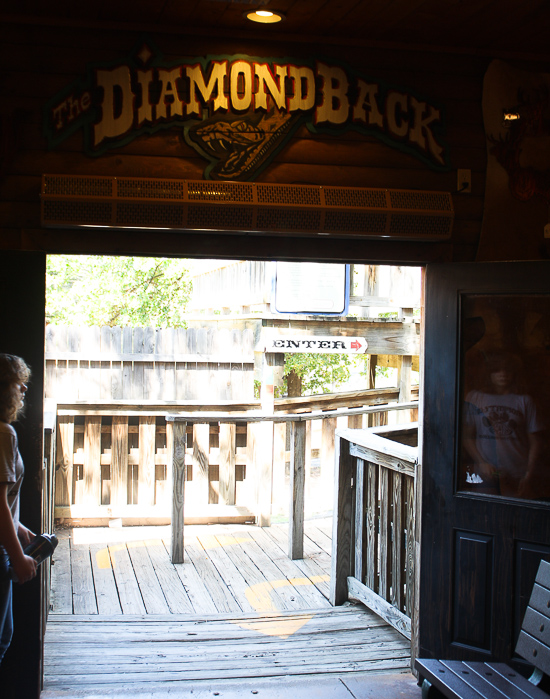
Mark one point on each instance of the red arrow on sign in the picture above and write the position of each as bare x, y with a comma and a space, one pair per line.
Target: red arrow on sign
356, 345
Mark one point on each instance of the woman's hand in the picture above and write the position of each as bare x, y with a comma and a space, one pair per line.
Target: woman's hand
24, 568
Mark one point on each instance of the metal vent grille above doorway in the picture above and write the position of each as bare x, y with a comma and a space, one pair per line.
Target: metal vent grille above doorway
131, 202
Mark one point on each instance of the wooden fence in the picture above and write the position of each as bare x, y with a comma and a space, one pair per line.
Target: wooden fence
171, 364
113, 459
112, 466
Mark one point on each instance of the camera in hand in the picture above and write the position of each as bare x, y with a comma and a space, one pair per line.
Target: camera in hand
40, 548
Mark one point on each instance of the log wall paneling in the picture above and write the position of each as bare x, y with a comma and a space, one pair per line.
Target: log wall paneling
453, 80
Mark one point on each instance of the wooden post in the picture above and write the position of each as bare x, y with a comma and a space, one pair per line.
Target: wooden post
92, 460
146, 473
373, 420
372, 519
307, 461
64, 478
201, 462
264, 471
385, 532
176, 443
263, 451
228, 433
279, 465
342, 535
355, 422
297, 487
404, 384
259, 469
328, 429
360, 522
398, 542
119, 460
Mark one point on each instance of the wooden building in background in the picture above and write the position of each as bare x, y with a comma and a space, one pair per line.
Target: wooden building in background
409, 133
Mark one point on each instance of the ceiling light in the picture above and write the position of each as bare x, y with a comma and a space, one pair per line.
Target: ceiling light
264, 16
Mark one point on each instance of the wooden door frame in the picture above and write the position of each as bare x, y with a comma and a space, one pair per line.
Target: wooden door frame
28, 341
24, 278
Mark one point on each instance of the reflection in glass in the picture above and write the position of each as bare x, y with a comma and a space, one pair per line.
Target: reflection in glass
505, 395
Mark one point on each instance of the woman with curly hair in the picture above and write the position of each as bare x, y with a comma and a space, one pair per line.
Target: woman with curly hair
14, 536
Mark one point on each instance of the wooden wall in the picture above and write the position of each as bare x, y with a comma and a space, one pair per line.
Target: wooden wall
38, 63
162, 364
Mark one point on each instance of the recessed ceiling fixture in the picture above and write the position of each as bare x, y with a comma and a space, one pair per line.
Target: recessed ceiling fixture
265, 16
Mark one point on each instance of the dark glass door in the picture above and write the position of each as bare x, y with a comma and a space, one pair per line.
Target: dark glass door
486, 467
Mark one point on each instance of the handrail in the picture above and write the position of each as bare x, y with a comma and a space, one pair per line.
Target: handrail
375, 398
263, 448
259, 416
374, 527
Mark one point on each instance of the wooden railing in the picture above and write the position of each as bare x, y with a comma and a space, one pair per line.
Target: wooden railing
112, 458
374, 521
261, 430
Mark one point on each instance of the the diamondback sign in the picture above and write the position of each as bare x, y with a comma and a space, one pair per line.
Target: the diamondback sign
238, 111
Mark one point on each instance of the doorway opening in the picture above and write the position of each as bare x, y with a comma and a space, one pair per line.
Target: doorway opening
115, 375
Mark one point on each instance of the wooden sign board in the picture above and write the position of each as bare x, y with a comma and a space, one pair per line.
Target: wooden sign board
316, 344
238, 112
311, 288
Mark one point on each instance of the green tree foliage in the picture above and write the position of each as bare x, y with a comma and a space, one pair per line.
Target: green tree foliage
320, 373
123, 291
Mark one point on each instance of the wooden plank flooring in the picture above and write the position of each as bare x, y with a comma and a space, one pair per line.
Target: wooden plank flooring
228, 569
237, 618
124, 654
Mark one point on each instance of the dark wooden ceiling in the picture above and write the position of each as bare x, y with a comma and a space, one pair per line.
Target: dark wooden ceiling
487, 27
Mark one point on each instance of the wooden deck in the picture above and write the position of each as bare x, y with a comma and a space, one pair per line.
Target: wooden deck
228, 569
238, 617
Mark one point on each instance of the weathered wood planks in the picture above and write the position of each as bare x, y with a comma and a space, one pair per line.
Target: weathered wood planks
381, 533
227, 569
139, 653
146, 363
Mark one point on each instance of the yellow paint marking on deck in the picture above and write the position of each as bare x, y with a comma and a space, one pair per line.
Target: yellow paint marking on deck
106, 557
259, 597
283, 628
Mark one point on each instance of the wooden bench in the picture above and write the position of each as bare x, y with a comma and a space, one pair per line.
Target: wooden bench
475, 680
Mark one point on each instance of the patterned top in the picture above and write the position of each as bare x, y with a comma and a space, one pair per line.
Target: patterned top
11, 469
